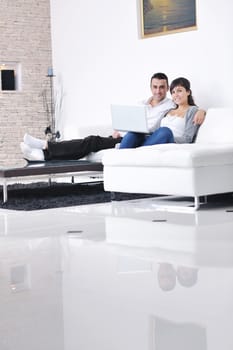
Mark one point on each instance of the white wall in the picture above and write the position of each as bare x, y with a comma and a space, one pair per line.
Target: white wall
99, 57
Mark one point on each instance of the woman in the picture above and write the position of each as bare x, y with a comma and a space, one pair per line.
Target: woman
175, 125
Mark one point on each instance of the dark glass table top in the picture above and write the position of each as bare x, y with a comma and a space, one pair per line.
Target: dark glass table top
24, 168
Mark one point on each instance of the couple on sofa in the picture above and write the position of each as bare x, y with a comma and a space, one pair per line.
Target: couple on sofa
170, 121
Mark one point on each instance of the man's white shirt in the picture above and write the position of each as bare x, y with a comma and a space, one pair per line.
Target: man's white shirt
154, 113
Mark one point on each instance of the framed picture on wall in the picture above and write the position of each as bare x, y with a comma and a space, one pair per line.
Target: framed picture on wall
161, 17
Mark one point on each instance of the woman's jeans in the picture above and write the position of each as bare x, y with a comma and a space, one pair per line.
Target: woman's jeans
135, 139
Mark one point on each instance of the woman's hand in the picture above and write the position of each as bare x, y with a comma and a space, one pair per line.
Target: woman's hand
199, 117
151, 101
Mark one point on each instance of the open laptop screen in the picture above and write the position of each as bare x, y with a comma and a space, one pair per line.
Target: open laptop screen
129, 118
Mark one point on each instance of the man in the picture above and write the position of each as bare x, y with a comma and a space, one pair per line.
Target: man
158, 103
35, 149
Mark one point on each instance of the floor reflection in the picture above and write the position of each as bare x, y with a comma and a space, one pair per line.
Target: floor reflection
116, 276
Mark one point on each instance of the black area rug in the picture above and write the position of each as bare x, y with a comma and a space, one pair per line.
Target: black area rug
41, 196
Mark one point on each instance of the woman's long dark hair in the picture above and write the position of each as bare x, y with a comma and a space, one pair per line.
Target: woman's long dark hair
186, 84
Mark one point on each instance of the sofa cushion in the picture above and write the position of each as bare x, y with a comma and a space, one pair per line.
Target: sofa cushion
171, 155
96, 156
217, 127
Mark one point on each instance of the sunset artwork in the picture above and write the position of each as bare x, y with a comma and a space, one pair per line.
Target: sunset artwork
160, 17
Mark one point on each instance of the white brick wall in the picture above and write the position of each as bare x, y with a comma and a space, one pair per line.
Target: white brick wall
25, 37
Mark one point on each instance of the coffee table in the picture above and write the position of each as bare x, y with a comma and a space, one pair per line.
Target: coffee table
49, 169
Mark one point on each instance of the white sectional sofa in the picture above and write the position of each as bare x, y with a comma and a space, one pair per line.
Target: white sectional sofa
191, 170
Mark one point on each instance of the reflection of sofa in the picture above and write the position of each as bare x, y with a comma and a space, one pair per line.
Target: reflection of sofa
201, 239
199, 169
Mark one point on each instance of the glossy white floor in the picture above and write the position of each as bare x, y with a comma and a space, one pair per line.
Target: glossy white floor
116, 276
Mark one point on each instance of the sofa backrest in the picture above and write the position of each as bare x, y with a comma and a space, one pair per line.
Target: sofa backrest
217, 127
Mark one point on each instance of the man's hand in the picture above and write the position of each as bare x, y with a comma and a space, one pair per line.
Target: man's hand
199, 117
116, 134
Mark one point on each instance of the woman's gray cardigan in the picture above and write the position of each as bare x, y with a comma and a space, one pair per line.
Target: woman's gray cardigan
190, 130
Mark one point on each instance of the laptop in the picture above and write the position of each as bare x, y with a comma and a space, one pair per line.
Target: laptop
129, 118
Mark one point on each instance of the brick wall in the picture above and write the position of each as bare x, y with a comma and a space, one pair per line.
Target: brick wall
25, 38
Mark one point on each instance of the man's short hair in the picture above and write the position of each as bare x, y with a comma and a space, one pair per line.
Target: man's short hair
160, 76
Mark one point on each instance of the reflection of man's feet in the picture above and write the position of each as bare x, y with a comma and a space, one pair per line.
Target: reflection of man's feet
33, 142
31, 154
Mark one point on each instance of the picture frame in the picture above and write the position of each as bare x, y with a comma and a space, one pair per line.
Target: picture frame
162, 17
